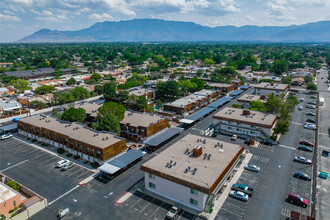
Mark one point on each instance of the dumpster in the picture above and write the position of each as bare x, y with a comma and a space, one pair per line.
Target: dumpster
324, 174
325, 153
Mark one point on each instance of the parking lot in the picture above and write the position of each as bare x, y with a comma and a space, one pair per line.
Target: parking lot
143, 206
35, 169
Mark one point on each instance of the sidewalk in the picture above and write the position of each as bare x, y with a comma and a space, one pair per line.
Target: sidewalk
219, 202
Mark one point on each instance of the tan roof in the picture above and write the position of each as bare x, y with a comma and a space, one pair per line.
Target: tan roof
196, 97
90, 108
255, 118
249, 98
209, 172
219, 85
100, 139
271, 86
137, 119
140, 92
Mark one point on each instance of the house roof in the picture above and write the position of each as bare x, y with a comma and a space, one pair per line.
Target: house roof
271, 86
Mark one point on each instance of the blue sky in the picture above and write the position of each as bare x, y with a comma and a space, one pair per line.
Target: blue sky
19, 18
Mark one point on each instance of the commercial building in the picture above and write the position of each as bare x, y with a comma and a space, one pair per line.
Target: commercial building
85, 142
266, 88
247, 98
9, 199
237, 83
224, 88
192, 103
138, 126
192, 170
36, 73
9, 106
245, 123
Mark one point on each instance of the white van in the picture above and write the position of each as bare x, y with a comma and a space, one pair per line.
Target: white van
61, 163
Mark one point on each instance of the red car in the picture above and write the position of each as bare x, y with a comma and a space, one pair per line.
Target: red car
296, 199
306, 143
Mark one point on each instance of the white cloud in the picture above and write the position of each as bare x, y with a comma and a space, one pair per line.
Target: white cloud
43, 12
101, 17
22, 2
55, 18
9, 18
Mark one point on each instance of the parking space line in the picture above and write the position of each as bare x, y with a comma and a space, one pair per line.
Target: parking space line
64, 194
285, 212
14, 165
231, 212
236, 206
292, 148
147, 205
138, 200
181, 214
157, 209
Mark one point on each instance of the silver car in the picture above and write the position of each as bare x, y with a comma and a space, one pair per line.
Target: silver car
310, 126
5, 136
302, 160
239, 195
172, 212
253, 168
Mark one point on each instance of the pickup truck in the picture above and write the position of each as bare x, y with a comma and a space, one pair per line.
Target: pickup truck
242, 188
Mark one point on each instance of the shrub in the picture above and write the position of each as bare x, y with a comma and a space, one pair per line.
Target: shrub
69, 155
60, 150
85, 162
76, 157
14, 185
95, 165
34, 140
14, 214
235, 106
211, 210
2, 217
28, 139
13, 210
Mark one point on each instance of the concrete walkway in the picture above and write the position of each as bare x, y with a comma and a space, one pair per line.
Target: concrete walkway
219, 202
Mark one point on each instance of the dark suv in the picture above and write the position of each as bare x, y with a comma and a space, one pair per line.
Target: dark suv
298, 200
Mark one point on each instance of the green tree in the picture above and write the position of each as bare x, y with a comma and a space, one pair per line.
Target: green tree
96, 77
282, 127
37, 104
63, 97
71, 81
308, 79
3, 69
109, 91
278, 67
74, 115
80, 93
114, 108
14, 185
167, 90
257, 105
108, 123
45, 89
311, 86
56, 113
208, 61
273, 103
141, 103
200, 84
235, 105
98, 89
20, 84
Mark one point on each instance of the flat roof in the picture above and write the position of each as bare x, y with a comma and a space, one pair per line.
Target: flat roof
220, 102
6, 192
197, 115
77, 131
197, 96
162, 136
140, 91
137, 119
209, 172
90, 108
271, 86
255, 118
236, 92
220, 85
249, 98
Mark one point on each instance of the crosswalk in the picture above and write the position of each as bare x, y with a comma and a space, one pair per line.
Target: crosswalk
261, 159
286, 212
266, 147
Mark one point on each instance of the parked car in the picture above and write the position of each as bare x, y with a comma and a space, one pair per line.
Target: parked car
5, 136
268, 142
305, 148
67, 166
312, 97
306, 143
310, 120
310, 126
61, 163
301, 175
300, 108
296, 199
301, 100
302, 160
311, 102
239, 195
310, 106
310, 113
242, 188
172, 212
234, 137
253, 168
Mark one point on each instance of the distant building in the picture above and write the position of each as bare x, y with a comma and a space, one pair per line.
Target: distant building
138, 126
247, 98
237, 83
36, 73
266, 88
245, 123
147, 93
192, 171
9, 199
9, 106
3, 91
191, 103
224, 88
85, 142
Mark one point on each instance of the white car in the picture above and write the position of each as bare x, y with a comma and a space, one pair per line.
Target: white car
67, 166
302, 160
301, 100
172, 212
310, 126
5, 136
234, 137
300, 108
253, 168
61, 163
239, 195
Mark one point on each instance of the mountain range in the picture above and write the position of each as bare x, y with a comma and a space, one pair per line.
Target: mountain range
156, 30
